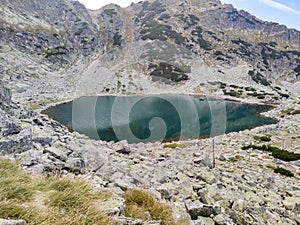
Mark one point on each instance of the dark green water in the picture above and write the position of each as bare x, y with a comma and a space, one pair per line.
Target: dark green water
156, 118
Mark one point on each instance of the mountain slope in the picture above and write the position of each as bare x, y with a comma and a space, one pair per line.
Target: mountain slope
62, 49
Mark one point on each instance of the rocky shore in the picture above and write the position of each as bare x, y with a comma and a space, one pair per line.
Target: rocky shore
242, 188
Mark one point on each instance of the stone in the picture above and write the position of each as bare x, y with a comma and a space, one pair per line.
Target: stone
226, 157
203, 221
290, 202
112, 206
296, 208
56, 153
43, 141
207, 176
179, 213
124, 184
221, 219
197, 222
11, 130
152, 222
196, 209
165, 192
11, 146
203, 161
122, 147
38, 122
127, 221
239, 205
296, 163
12, 222
75, 165
205, 197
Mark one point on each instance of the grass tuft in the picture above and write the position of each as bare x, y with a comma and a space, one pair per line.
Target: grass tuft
139, 204
65, 201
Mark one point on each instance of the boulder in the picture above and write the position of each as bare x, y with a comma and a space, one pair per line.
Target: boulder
11, 130
112, 206
12, 222
165, 192
44, 141
221, 219
56, 153
127, 221
206, 176
290, 202
75, 165
196, 209
122, 147
203, 221
11, 146
204, 161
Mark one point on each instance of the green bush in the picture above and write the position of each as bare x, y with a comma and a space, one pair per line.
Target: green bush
265, 138
110, 12
284, 172
276, 152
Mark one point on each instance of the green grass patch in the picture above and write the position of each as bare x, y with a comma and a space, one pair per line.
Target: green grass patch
139, 204
175, 145
236, 158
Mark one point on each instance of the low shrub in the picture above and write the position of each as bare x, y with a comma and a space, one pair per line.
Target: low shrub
265, 138
276, 152
283, 171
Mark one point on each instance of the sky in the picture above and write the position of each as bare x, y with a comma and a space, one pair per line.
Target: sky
285, 12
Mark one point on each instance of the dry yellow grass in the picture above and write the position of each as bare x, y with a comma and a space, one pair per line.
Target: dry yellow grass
141, 204
64, 201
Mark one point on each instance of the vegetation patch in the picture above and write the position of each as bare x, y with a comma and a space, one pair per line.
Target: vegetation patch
175, 145
265, 138
189, 20
155, 31
117, 39
164, 16
200, 41
283, 171
276, 152
258, 78
140, 204
60, 50
236, 158
110, 12
166, 73
284, 95
241, 42
61, 200
233, 93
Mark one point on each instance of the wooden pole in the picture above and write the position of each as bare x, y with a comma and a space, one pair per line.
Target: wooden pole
213, 153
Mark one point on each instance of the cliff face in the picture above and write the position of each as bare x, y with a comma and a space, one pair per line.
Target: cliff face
61, 45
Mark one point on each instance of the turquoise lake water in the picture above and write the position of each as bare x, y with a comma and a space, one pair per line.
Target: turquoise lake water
156, 118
